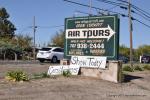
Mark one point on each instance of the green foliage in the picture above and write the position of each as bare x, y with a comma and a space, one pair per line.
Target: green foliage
66, 73
41, 75
17, 45
138, 68
125, 51
8, 49
146, 67
128, 68
7, 29
3, 13
24, 41
142, 50
58, 39
16, 76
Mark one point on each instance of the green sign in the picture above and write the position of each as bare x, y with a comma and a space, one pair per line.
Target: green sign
92, 36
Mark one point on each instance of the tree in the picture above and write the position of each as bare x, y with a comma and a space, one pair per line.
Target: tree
12, 48
123, 50
58, 39
25, 42
142, 50
7, 29
8, 49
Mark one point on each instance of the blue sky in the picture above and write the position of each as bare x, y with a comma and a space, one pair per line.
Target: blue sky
51, 13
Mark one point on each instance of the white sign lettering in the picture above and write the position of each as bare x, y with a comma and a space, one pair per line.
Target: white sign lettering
88, 61
90, 33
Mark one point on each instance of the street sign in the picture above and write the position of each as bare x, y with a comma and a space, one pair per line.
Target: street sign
92, 36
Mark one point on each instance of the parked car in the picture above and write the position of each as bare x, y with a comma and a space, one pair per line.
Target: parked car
53, 54
145, 59
123, 59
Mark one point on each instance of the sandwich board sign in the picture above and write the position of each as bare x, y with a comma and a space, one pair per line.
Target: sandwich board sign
92, 36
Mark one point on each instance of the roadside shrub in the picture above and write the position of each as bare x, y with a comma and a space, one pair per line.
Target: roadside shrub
146, 67
138, 68
41, 75
45, 75
128, 68
16, 76
66, 73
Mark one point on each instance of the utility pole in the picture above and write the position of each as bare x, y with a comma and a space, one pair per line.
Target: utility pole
34, 30
90, 7
130, 30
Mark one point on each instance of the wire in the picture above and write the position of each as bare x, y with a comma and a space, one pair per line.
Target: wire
82, 12
92, 7
137, 8
108, 11
146, 17
24, 29
50, 26
142, 23
112, 3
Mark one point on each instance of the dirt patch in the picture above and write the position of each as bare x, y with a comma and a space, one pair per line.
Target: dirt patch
73, 88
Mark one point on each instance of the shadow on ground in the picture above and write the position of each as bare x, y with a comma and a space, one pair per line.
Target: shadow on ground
129, 78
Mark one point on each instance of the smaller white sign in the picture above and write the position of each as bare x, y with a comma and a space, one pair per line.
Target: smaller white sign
58, 70
88, 61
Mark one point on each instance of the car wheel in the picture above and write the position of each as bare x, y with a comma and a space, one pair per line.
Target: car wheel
41, 61
54, 59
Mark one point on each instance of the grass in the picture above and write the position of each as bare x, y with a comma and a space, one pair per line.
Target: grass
146, 67
136, 67
40, 75
128, 68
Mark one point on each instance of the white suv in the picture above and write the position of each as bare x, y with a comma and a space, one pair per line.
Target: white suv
53, 54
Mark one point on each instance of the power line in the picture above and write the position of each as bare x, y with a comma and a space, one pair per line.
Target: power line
142, 12
141, 15
138, 9
92, 7
108, 11
30, 27
56, 26
82, 12
142, 23
24, 29
112, 3
123, 6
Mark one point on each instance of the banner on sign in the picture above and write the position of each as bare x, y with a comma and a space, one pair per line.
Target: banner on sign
88, 61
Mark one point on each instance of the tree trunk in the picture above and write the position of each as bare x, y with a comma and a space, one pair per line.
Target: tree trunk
15, 56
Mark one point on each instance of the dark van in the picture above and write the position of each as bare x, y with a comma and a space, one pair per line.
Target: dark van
145, 59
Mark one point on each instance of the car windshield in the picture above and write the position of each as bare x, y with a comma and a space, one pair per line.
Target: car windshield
45, 49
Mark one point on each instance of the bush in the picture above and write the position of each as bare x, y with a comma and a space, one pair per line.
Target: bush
16, 76
147, 67
41, 75
128, 68
67, 73
138, 68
